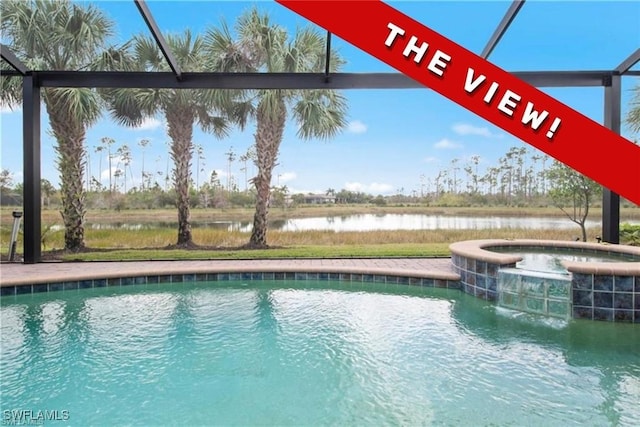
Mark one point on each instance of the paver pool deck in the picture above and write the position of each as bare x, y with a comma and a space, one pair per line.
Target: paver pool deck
14, 274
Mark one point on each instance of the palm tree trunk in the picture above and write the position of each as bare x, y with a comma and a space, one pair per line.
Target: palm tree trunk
270, 128
180, 129
70, 135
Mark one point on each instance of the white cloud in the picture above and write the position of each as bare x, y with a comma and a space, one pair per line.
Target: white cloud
149, 123
295, 190
357, 126
5, 109
285, 177
467, 129
374, 187
430, 159
105, 173
446, 144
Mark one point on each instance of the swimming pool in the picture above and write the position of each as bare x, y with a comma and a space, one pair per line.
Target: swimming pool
308, 353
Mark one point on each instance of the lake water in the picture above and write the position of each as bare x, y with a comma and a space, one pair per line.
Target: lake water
371, 222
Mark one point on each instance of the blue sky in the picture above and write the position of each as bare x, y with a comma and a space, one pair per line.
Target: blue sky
394, 136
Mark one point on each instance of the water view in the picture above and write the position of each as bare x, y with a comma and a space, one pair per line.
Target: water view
373, 222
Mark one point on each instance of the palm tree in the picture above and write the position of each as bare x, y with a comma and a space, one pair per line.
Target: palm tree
200, 163
79, 33
633, 117
249, 155
143, 143
108, 142
264, 46
231, 156
181, 108
124, 154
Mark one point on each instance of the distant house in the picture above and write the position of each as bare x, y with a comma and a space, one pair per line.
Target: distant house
318, 199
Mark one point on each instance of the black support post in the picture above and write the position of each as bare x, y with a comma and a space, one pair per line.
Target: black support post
12, 59
327, 58
31, 169
158, 37
610, 200
502, 27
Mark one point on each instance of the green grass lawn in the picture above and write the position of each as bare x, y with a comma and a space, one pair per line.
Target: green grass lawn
347, 251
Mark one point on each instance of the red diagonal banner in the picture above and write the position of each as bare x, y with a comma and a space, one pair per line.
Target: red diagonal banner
482, 88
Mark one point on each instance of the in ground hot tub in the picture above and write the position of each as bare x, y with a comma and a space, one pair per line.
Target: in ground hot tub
602, 281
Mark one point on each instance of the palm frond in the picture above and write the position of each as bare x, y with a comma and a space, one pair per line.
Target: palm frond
129, 107
187, 50
633, 117
241, 112
224, 54
218, 126
271, 102
306, 53
336, 61
61, 35
114, 58
83, 104
320, 114
147, 54
265, 40
10, 91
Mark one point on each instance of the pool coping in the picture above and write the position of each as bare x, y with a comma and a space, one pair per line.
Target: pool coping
18, 274
478, 250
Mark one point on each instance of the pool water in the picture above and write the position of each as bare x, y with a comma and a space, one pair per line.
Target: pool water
308, 353
551, 262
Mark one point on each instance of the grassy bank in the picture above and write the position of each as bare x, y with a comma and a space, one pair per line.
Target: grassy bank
120, 244
346, 251
152, 244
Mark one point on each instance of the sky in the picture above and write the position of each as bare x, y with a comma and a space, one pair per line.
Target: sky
396, 140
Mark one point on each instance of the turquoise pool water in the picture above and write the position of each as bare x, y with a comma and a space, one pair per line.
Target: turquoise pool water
308, 353
549, 261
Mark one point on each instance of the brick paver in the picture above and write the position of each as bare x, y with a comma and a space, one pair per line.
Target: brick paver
12, 274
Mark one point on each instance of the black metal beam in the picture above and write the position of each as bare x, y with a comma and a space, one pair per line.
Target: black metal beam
327, 58
13, 60
157, 35
610, 200
31, 169
550, 78
564, 78
166, 80
629, 62
502, 27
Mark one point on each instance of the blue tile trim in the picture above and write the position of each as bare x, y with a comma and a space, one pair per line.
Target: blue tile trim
7, 290
40, 288
20, 290
609, 298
